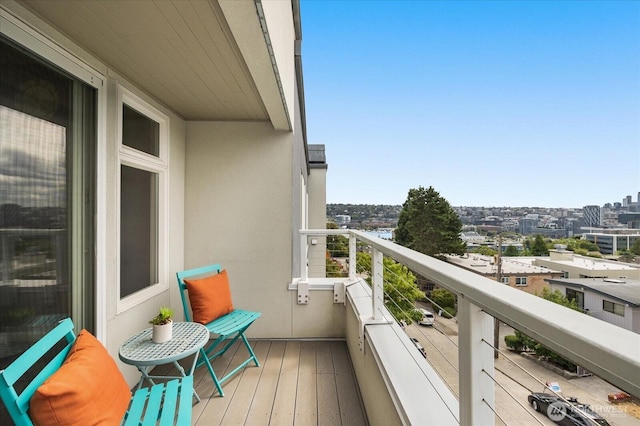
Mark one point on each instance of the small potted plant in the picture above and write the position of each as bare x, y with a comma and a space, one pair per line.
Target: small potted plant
162, 325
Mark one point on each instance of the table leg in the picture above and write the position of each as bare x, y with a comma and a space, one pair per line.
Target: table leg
145, 375
181, 370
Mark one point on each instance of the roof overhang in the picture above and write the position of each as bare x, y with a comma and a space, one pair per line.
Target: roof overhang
204, 59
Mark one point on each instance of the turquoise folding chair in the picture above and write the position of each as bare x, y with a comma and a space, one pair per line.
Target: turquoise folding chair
164, 404
228, 328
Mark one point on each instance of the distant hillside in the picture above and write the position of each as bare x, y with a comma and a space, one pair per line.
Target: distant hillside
366, 215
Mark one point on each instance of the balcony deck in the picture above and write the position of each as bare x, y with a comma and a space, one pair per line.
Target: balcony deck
297, 382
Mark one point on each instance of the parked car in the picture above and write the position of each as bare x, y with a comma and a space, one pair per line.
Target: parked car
567, 412
419, 346
427, 317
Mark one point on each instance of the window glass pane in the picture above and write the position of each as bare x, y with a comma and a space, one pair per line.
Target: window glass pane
138, 230
47, 200
140, 132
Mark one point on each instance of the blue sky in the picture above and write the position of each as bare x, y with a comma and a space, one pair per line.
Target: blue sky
503, 103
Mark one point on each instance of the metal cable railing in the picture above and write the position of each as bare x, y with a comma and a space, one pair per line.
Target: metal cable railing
496, 304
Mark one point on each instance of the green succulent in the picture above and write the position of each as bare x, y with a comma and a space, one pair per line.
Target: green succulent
164, 316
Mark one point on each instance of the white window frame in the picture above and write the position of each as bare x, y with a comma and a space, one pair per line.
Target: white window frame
505, 280
521, 281
159, 165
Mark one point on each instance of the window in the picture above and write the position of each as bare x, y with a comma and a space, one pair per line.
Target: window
48, 148
143, 187
614, 308
505, 280
521, 281
578, 296
565, 274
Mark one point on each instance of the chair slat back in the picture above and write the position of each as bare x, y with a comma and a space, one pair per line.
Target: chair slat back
18, 403
202, 271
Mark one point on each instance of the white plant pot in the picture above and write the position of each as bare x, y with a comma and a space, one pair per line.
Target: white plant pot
162, 333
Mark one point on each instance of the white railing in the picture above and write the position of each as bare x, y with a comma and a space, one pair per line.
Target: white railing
608, 351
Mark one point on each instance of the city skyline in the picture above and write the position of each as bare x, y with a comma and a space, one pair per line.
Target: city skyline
490, 103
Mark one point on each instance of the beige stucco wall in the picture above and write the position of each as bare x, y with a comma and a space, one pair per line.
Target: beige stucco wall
373, 389
238, 213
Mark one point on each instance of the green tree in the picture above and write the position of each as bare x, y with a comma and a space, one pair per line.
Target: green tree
511, 251
399, 286
338, 245
539, 247
635, 248
428, 224
556, 296
486, 251
444, 299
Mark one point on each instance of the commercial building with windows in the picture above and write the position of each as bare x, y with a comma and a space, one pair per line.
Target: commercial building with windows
612, 243
615, 301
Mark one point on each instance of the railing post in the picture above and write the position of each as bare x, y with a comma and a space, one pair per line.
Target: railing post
352, 256
304, 260
475, 358
377, 282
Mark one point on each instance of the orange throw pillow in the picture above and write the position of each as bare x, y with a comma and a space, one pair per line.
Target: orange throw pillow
88, 389
210, 297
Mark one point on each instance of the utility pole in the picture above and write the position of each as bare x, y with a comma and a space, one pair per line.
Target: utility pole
496, 321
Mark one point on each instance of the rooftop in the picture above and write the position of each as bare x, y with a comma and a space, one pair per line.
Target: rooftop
487, 265
627, 291
591, 263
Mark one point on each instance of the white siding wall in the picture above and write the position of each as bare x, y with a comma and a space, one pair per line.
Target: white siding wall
593, 302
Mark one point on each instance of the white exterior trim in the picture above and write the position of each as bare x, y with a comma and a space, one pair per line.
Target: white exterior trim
159, 165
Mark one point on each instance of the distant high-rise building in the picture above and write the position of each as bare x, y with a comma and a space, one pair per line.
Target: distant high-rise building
592, 216
528, 224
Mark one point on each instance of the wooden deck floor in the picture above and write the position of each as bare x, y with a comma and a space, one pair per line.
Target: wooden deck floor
297, 383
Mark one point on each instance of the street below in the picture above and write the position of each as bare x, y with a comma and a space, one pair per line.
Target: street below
519, 376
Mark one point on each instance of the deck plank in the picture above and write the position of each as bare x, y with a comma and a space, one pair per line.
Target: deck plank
307, 398
247, 381
262, 404
284, 404
297, 383
328, 407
